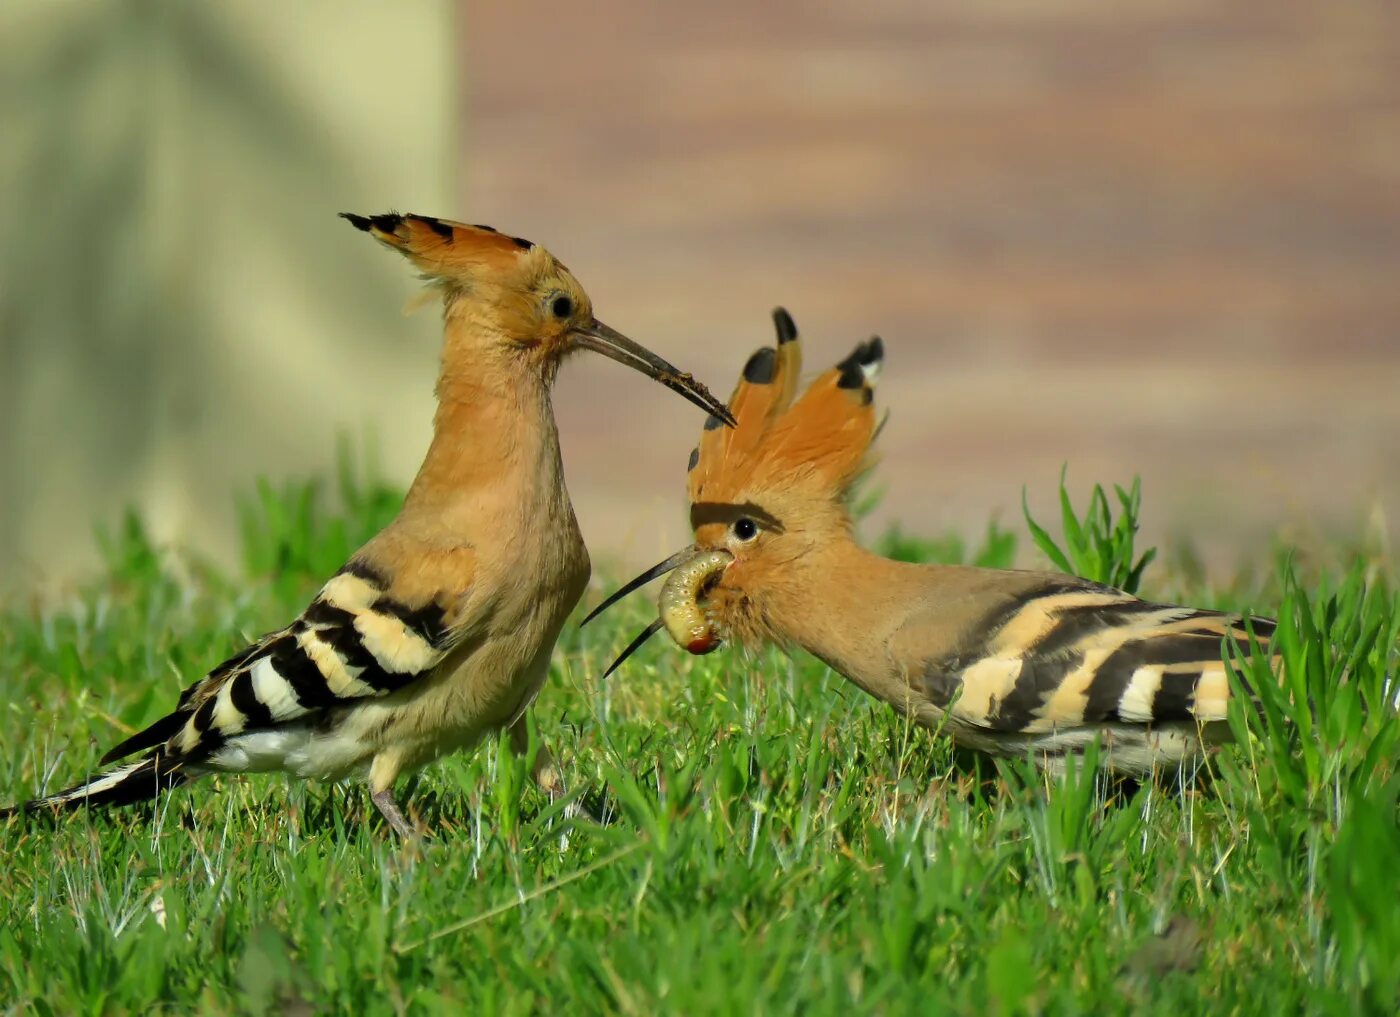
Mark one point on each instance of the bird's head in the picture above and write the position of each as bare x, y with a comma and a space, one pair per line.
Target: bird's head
768, 495
511, 300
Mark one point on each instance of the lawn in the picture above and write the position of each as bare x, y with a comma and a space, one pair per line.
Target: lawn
775, 841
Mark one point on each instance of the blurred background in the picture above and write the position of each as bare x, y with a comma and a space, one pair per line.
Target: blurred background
1158, 239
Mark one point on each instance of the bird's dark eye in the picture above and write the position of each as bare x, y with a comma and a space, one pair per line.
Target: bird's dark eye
562, 307
745, 529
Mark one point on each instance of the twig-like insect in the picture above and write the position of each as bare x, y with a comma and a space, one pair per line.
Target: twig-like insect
680, 606
1008, 662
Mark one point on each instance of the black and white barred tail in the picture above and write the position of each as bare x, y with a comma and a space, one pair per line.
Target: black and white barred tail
273, 704
130, 784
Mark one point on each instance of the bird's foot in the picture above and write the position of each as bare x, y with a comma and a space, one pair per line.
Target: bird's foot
389, 809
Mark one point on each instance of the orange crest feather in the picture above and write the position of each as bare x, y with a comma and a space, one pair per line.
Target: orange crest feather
820, 440
446, 250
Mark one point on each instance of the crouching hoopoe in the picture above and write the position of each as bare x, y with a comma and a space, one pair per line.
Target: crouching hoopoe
439, 630
1008, 662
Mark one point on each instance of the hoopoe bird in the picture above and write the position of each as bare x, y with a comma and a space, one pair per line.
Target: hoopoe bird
439, 630
1012, 663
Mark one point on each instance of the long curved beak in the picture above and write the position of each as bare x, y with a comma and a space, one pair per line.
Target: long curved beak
659, 569
616, 346
635, 645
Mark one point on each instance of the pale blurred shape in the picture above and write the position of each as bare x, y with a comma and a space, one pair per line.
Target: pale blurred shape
1158, 239
180, 309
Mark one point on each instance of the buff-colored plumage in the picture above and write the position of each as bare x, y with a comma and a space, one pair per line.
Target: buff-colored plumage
1008, 662
439, 630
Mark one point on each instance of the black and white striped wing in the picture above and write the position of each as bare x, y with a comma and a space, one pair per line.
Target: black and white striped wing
1068, 655
353, 642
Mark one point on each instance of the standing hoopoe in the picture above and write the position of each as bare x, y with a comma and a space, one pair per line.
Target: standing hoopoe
440, 629
1008, 662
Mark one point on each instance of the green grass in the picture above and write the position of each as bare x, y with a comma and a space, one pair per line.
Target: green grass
779, 843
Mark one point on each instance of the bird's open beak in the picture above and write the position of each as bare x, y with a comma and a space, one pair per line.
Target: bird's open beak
613, 344
659, 569
680, 606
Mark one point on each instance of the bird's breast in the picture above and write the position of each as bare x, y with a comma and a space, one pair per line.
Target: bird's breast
535, 577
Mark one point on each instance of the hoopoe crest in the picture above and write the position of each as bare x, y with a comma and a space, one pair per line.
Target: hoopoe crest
1008, 662
439, 630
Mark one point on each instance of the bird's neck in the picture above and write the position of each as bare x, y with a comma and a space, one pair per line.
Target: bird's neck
495, 448
844, 604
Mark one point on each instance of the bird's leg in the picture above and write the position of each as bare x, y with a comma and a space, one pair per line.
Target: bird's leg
545, 772
542, 771
383, 771
389, 809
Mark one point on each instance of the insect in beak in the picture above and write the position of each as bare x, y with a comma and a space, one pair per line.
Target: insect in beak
682, 614
680, 607
616, 346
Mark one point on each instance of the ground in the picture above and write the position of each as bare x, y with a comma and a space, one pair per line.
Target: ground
775, 841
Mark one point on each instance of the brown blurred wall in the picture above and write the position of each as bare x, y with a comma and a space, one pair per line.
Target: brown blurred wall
180, 308
1158, 238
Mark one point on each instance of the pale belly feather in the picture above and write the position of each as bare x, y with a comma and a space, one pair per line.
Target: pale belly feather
485, 685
